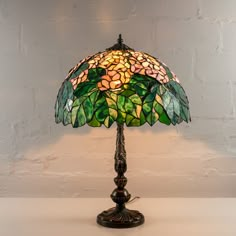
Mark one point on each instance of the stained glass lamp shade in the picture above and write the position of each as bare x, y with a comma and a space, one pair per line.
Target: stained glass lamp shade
127, 87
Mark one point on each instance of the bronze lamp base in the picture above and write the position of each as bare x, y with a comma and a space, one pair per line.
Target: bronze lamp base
120, 216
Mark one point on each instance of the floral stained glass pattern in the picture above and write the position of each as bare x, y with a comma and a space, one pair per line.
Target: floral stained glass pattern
123, 86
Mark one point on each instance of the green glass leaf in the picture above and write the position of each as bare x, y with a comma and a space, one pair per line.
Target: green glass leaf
135, 99
127, 93
171, 104
176, 107
137, 110
56, 107
79, 70
57, 117
129, 106
94, 122
154, 88
164, 118
150, 98
81, 117
66, 118
142, 118
65, 93
101, 101
112, 95
74, 113
80, 100
128, 119
151, 118
82, 109
85, 89
76, 103
82, 67
139, 78
108, 121
112, 110
101, 71
113, 113
64, 121
94, 74
161, 90
121, 117
88, 108
166, 98
185, 114
94, 96
68, 105
142, 85
121, 103
140, 91
106, 110
158, 108
111, 103
101, 113
170, 110
134, 122
78, 117
178, 92
147, 108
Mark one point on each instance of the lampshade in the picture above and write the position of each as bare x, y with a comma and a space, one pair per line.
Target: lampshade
123, 86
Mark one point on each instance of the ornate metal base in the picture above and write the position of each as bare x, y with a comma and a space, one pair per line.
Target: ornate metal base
116, 218
120, 216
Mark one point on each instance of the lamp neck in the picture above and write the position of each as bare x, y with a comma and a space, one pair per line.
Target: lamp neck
120, 144
120, 195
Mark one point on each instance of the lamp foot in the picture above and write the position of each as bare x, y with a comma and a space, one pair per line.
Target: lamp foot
120, 218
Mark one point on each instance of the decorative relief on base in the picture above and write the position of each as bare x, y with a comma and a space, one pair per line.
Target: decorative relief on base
116, 218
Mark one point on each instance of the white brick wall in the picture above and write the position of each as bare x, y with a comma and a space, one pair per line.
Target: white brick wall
41, 40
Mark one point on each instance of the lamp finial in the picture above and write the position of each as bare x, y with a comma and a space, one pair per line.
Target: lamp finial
120, 40
119, 45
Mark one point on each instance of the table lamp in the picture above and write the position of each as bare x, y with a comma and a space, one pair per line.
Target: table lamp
123, 86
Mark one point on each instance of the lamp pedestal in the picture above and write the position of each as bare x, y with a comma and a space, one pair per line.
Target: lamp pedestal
120, 216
